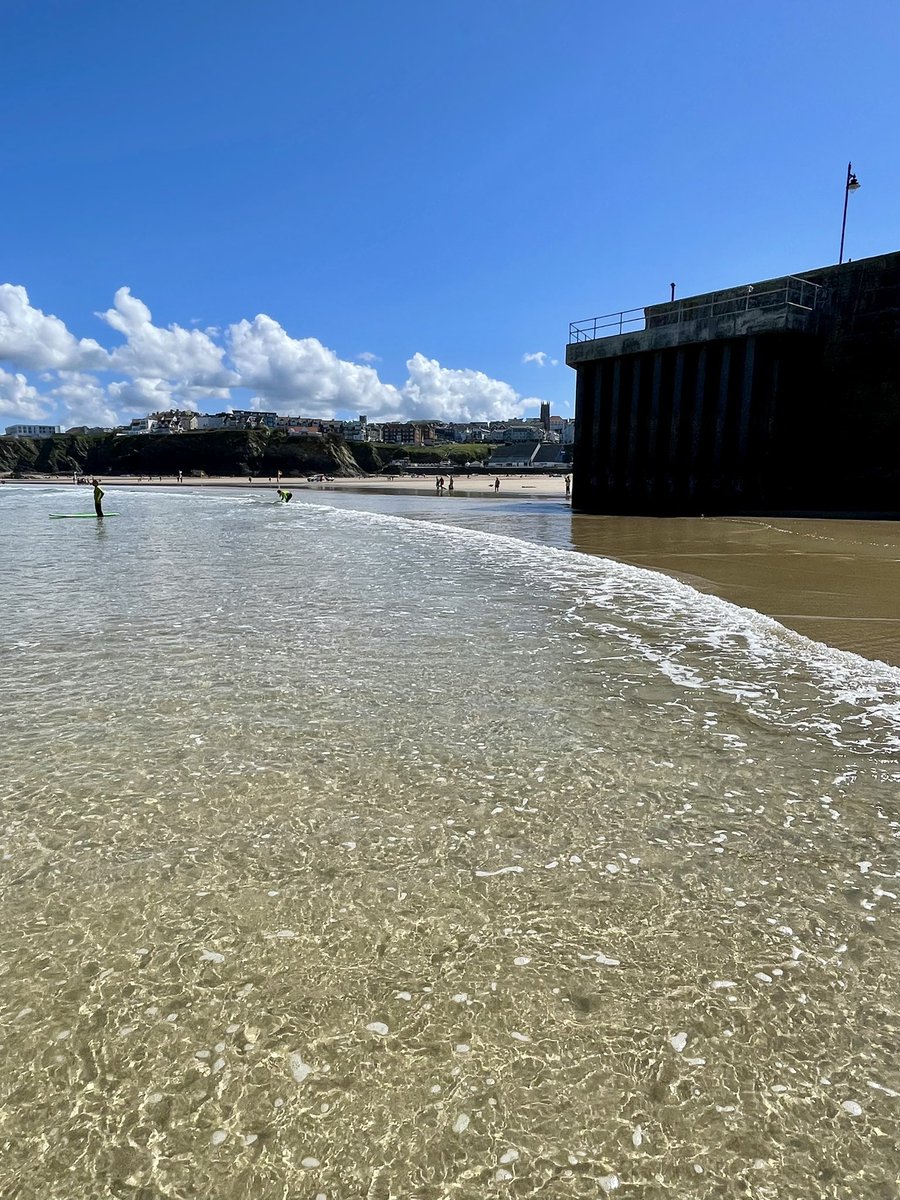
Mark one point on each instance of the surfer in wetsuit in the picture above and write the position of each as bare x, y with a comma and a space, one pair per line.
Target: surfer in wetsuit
98, 498
285, 495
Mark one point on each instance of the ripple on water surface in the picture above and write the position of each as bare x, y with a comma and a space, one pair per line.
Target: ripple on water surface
350, 856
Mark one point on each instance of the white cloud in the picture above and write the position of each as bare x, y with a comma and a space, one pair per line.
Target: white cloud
300, 373
302, 376
156, 368
456, 395
541, 357
140, 396
19, 399
147, 394
185, 356
83, 400
31, 339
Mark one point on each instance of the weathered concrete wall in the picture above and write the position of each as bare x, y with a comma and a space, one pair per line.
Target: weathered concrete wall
757, 411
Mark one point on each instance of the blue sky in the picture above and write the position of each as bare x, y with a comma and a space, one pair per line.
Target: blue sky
354, 206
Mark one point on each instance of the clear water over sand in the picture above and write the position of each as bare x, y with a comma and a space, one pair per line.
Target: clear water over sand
360, 854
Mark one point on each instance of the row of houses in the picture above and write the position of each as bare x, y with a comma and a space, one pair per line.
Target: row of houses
545, 429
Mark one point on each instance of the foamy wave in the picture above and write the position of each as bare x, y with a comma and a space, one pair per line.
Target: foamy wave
694, 639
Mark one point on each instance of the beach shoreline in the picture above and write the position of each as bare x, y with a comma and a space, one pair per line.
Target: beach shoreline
541, 487
834, 580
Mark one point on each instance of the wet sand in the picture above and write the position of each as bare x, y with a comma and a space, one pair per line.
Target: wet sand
832, 580
837, 581
518, 486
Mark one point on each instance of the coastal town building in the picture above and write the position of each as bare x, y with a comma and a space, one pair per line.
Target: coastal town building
403, 433
520, 431
175, 421
32, 431
781, 395
564, 428
351, 431
296, 427
238, 419
211, 421
171, 421
528, 456
137, 426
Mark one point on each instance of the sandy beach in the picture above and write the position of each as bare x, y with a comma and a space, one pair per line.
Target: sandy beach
519, 486
837, 581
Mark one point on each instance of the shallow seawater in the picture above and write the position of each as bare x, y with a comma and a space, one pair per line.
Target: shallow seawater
349, 852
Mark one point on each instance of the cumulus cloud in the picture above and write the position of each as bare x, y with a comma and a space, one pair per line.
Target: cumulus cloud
457, 395
189, 357
302, 372
156, 367
34, 340
541, 357
19, 399
83, 400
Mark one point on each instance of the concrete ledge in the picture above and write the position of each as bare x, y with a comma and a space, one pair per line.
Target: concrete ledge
663, 337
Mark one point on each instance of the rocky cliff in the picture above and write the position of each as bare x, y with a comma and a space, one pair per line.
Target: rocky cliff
214, 452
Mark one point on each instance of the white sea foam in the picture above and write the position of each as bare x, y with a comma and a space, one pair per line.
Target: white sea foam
660, 619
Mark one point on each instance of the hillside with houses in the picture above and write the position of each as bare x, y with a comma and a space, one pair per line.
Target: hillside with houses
261, 443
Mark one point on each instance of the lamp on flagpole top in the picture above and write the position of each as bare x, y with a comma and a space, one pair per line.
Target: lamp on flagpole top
852, 185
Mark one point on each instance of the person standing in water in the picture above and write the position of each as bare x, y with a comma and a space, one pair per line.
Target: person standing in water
98, 498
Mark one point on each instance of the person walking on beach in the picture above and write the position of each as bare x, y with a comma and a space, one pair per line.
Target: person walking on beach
98, 498
568, 485
450, 484
496, 485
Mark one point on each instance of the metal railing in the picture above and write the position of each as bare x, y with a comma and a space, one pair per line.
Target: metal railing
630, 320
791, 293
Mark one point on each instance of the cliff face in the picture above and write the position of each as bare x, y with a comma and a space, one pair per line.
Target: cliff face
214, 452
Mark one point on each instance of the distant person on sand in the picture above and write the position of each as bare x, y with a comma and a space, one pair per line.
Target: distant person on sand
568, 485
450, 484
497, 484
98, 498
